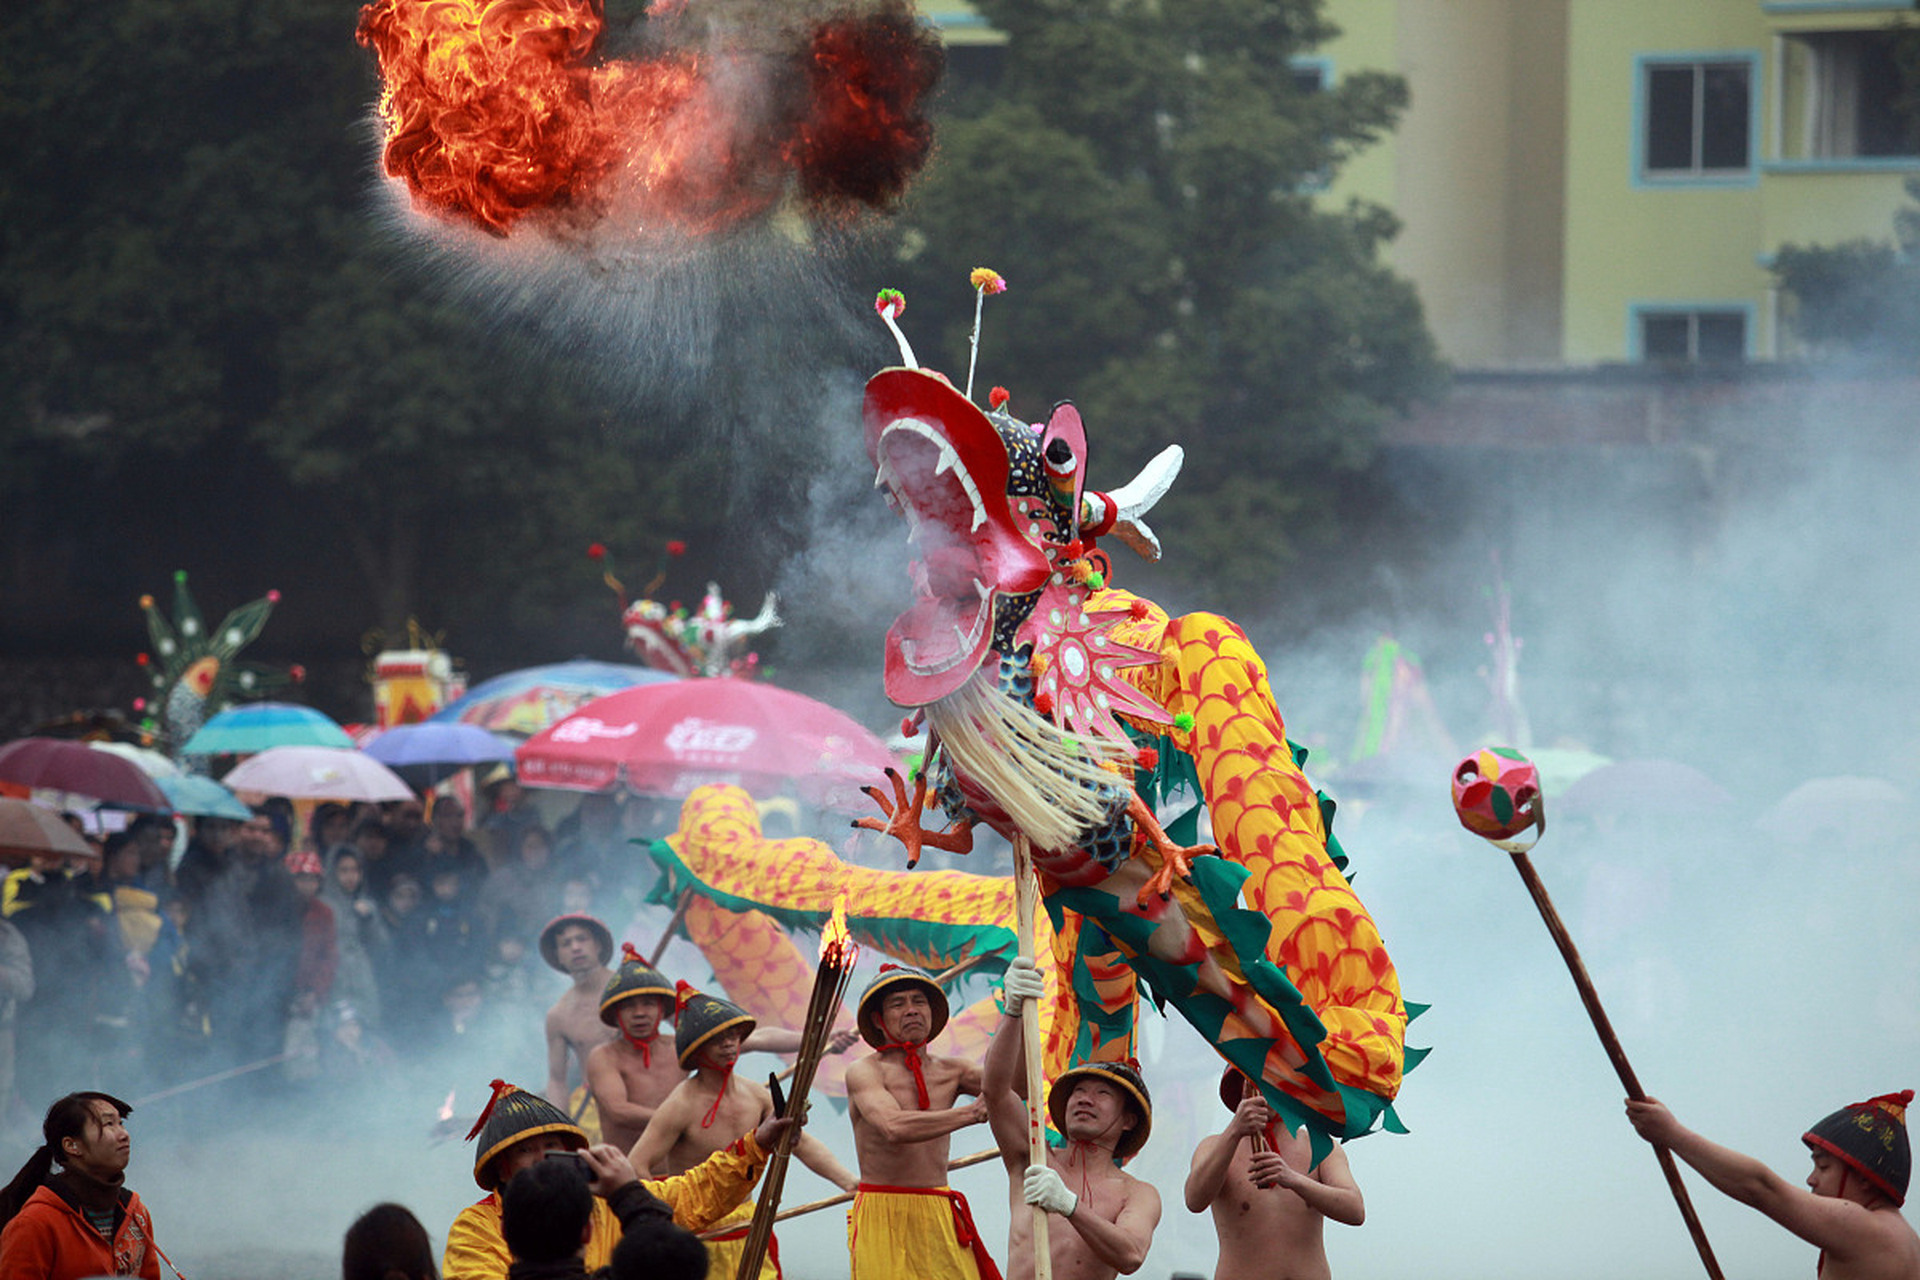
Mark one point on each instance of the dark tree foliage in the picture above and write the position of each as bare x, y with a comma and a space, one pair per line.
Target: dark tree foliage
1144, 176
213, 357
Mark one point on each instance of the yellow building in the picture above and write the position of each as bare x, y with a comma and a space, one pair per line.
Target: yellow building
1589, 181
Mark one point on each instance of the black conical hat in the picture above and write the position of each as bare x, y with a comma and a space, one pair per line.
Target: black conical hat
892, 976
1124, 1076
514, 1115
1871, 1138
635, 977
698, 1018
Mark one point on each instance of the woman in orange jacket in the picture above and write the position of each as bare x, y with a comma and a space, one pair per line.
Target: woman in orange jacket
81, 1221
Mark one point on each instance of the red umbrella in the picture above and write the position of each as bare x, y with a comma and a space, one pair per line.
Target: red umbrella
668, 738
51, 764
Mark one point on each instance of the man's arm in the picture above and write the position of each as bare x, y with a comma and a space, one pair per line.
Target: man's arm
663, 1130
867, 1093
1006, 1114
1844, 1229
970, 1077
609, 1089
557, 1091
1211, 1158
1329, 1190
1121, 1244
787, 1040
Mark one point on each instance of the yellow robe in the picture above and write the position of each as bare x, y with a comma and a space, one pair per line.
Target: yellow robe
699, 1197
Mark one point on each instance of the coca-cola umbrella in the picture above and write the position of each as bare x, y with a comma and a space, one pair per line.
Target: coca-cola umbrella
51, 764
667, 739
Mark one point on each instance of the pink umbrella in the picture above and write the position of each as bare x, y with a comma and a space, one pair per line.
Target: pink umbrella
668, 738
317, 773
51, 764
27, 829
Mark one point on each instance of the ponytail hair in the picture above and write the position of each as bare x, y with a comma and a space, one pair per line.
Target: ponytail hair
66, 1118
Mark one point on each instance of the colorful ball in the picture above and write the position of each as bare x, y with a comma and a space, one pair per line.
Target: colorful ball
1496, 792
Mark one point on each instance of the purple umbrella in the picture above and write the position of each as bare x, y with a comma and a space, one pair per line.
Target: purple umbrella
436, 748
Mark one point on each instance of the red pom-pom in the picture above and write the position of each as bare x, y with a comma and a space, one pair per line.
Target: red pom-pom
998, 396
141, 659
1075, 549
673, 606
629, 954
1148, 758
1043, 703
683, 991
596, 551
139, 704
1138, 610
676, 548
298, 672
273, 597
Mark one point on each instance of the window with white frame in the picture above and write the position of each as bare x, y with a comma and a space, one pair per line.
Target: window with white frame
1696, 118
1703, 335
1843, 96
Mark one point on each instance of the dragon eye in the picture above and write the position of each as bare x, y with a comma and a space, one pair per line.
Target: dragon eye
1060, 460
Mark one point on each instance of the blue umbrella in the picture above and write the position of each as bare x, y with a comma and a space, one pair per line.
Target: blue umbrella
526, 701
257, 726
202, 797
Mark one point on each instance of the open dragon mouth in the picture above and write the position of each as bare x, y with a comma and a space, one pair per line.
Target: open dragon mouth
949, 624
946, 469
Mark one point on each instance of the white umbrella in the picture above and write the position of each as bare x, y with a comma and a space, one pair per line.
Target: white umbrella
150, 762
317, 773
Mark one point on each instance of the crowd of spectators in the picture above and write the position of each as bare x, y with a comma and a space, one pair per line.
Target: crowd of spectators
358, 941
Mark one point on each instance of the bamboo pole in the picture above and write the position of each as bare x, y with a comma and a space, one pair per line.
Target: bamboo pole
666, 935
1026, 893
1611, 1043
216, 1078
814, 1206
830, 977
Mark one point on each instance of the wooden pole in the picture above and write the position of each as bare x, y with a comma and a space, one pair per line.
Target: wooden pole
1026, 894
666, 936
216, 1078
1617, 1055
814, 1206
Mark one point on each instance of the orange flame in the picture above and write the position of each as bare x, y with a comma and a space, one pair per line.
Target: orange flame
496, 109
836, 941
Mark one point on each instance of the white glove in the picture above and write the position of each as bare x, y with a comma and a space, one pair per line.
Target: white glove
1021, 984
1044, 1188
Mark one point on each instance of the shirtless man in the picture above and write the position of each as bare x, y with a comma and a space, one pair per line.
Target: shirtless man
1851, 1208
711, 1109
1269, 1199
902, 1104
1104, 1224
580, 947
627, 1078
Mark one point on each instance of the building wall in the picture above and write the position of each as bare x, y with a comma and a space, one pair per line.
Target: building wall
1531, 231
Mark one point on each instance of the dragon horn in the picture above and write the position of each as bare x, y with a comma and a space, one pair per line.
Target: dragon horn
1123, 510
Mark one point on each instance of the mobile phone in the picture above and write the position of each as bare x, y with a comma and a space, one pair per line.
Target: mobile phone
575, 1161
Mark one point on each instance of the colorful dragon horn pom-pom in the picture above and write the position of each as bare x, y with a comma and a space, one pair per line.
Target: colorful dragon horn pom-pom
1496, 793
500, 1090
986, 282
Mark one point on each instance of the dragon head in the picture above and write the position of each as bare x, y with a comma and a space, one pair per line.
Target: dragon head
996, 509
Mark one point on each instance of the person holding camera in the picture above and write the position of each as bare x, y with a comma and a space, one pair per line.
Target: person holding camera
547, 1213
519, 1130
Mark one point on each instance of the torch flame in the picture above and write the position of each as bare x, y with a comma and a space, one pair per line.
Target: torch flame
836, 941
446, 1108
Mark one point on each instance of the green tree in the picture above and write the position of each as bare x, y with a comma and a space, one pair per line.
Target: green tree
192, 287
1144, 175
